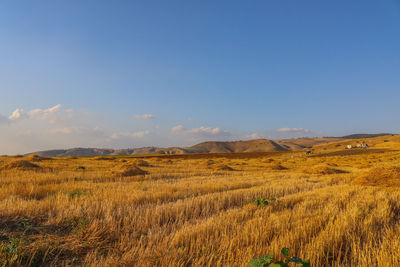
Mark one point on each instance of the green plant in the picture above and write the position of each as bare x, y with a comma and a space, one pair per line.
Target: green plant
263, 201
80, 168
10, 252
25, 223
80, 223
261, 262
268, 260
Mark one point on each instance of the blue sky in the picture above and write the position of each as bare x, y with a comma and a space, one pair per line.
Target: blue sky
203, 70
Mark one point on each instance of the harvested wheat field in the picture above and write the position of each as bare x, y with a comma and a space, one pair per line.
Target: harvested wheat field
194, 210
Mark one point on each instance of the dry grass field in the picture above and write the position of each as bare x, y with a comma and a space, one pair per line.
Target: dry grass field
334, 208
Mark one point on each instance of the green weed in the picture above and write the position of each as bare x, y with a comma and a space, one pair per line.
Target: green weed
11, 251
261, 202
268, 261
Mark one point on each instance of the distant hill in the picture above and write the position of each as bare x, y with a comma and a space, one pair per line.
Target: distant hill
359, 136
258, 145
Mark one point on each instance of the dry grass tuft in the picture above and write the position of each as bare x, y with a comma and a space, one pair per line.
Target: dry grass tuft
22, 165
278, 167
224, 168
210, 162
103, 158
128, 170
380, 176
322, 169
142, 163
37, 158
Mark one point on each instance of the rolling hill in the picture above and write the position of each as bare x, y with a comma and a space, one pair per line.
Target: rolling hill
258, 145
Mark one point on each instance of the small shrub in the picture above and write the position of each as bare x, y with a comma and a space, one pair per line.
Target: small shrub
80, 168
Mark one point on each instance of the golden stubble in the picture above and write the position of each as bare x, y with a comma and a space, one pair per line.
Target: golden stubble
199, 212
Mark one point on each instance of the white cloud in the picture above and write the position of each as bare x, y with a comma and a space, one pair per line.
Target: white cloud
49, 114
145, 117
45, 114
139, 134
293, 130
178, 129
206, 130
18, 114
201, 131
253, 136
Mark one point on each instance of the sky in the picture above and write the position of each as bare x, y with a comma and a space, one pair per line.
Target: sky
126, 74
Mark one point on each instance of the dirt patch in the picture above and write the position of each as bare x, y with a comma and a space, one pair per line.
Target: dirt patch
22, 165
380, 176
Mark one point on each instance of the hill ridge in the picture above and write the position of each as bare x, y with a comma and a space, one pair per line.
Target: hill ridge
255, 145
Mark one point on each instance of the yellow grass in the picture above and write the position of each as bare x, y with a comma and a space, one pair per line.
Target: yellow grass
192, 212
